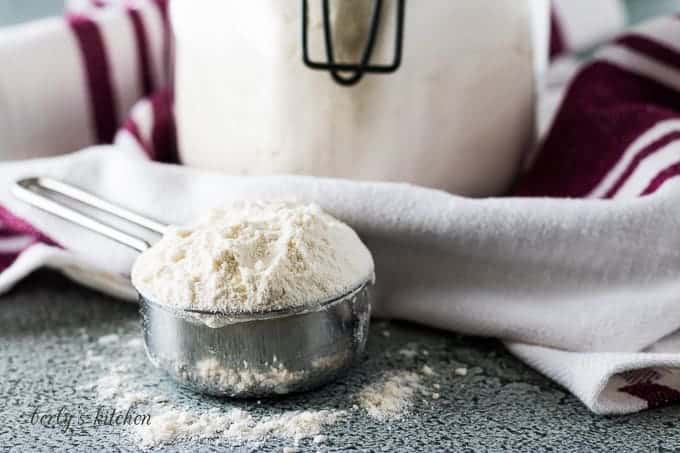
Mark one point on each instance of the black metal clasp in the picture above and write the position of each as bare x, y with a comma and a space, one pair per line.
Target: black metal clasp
356, 71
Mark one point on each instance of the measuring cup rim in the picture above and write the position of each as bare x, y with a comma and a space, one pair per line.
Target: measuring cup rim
241, 316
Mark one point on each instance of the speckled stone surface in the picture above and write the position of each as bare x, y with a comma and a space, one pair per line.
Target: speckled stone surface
48, 325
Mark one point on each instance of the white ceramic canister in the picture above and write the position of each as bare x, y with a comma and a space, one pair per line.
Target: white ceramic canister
457, 114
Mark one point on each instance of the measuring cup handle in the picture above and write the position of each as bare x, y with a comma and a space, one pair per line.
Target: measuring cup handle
28, 190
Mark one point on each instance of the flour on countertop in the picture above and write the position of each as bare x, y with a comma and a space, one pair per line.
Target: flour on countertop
427, 370
108, 339
136, 342
254, 256
390, 397
173, 425
121, 388
461, 371
236, 425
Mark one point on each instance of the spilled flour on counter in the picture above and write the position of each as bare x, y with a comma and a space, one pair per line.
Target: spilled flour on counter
462, 371
120, 387
108, 339
254, 256
392, 396
236, 425
174, 420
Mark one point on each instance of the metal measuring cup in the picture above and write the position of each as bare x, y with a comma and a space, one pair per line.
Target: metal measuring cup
219, 353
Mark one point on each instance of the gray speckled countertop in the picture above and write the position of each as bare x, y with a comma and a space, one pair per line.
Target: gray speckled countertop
48, 325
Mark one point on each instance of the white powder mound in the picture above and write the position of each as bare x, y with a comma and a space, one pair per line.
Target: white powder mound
135, 343
114, 383
296, 425
119, 386
461, 371
108, 339
427, 371
391, 397
173, 425
236, 425
254, 256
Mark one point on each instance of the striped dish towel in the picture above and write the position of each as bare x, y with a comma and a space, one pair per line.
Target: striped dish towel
69, 83
578, 276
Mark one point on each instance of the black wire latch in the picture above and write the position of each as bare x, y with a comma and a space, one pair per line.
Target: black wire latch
356, 71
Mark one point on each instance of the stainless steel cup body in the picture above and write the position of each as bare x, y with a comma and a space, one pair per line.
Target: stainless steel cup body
258, 357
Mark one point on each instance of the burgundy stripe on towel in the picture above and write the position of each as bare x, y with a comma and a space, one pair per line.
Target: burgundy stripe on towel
13, 226
143, 55
132, 127
656, 395
661, 178
17, 225
163, 9
652, 49
639, 157
557, 42
604, 111
164, 134
98, 74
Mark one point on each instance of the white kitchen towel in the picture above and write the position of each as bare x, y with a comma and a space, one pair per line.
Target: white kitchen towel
577, 25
